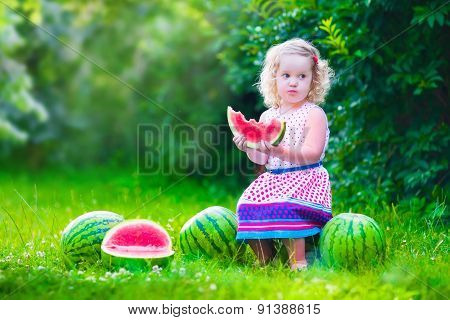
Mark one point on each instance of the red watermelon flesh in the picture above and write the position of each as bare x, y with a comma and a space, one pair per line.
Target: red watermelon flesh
138, 239
254, 131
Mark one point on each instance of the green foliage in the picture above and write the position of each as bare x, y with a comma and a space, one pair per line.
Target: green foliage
334, 38
17, 101
387, 111
105, 69
388, 107
434, 12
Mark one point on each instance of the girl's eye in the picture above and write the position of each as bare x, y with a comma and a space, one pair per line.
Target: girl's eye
285, 75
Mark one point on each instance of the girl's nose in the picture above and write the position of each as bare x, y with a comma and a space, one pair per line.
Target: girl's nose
293, 82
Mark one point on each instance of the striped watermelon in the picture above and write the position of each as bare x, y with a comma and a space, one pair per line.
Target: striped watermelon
82, 237
351, 239
211, 233
137, 245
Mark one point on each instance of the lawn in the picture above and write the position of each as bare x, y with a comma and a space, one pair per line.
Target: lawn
35, 208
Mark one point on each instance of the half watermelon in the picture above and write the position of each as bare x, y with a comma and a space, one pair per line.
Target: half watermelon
255, 132
137, 245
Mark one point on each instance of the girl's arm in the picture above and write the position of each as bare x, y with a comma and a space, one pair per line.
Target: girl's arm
311, 149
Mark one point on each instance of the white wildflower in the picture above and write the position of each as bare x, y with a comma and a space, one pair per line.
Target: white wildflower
122, 270
213, 287
156, 269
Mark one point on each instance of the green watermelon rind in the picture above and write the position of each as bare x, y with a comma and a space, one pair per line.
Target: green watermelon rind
255, 145
230, 123
82, 237
280, 136
365, 246
114, 260
211, 233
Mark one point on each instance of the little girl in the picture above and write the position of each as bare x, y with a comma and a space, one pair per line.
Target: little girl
292, 200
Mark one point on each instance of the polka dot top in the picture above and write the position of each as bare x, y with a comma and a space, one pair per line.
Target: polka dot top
294, 135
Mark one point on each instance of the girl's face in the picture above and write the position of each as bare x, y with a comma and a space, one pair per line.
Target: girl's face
294, 77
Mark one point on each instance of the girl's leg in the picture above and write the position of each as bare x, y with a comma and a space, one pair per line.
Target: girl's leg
296, 252
263, 249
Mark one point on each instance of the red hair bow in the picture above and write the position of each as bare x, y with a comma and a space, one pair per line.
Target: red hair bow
316, 60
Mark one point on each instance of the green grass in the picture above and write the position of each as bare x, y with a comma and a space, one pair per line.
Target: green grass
35, 208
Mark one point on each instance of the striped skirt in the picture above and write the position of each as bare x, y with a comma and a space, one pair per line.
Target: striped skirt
285, 203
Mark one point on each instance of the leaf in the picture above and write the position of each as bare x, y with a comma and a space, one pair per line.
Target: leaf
9, 132
417, 91
440, 18
430, 21
337, 31
378, 59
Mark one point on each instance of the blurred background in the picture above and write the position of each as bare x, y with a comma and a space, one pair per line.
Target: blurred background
78, 77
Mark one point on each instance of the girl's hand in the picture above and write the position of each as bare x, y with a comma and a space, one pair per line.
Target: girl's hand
265, 147
241, 143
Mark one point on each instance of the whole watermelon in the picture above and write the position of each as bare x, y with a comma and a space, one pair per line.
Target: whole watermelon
82, 238
350, 240
211, 233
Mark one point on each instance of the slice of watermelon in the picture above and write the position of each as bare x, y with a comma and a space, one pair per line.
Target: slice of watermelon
136, 245
255, 132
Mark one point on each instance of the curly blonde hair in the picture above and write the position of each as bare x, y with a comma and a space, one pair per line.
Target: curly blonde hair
321, 73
